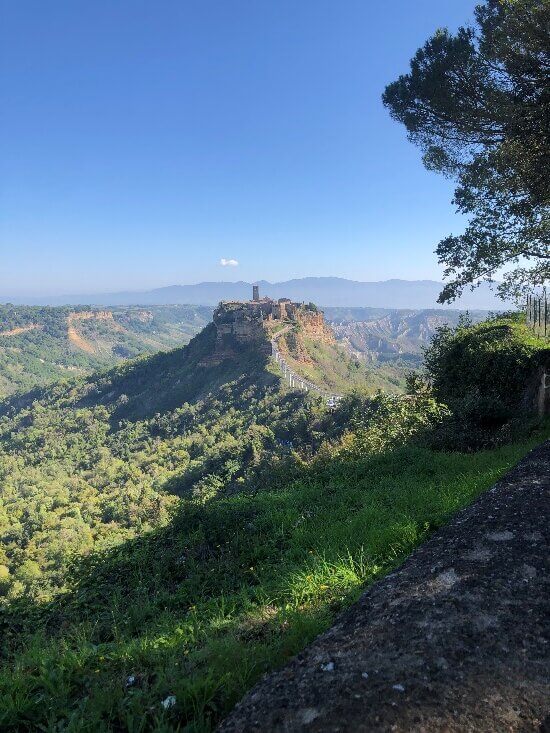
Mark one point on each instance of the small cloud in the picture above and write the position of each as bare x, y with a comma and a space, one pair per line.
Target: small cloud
228, 263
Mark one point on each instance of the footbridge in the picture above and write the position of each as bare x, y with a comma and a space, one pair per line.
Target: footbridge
295, 381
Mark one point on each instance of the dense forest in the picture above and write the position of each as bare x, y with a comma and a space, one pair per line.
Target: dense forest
172, 530
39, 345
102, 459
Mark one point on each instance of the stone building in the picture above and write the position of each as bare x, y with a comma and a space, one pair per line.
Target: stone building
247, 321
255, 322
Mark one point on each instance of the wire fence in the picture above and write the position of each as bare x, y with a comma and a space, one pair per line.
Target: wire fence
538, 315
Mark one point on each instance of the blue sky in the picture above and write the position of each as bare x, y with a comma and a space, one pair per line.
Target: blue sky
144, 141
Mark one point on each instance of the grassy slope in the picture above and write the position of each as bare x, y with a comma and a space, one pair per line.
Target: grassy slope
330, 366
200, 608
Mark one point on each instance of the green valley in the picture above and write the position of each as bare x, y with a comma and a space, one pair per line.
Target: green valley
275, 404
40, 344
176, 526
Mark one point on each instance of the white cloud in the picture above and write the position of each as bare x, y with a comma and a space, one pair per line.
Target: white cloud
228, 263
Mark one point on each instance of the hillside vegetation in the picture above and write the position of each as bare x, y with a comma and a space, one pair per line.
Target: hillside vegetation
172, 531
103, 458
329, 364
39, 345
488, 374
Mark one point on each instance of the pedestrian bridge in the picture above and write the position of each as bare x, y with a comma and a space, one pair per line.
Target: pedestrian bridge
295, 381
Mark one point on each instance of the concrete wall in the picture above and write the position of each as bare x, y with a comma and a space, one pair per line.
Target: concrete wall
536, 397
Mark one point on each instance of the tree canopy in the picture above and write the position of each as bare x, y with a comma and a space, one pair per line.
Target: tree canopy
478, 104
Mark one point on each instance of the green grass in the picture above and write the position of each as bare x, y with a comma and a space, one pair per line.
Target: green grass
330, 366
200, 609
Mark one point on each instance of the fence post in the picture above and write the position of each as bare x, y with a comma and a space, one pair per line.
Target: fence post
537, 315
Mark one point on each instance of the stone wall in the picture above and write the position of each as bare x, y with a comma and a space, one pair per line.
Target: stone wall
536, 397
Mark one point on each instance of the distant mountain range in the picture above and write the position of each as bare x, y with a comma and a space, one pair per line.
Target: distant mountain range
324, 291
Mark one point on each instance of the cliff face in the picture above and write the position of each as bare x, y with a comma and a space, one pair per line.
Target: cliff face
90, 315
313, 324
235, 323
254, 323
236, 326
387, 336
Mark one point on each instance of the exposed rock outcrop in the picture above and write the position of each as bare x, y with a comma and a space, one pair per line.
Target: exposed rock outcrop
96, 315
312, 323
254, 322
18, 330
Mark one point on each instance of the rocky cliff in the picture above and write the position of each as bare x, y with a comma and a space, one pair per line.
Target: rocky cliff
312, 324
254, 323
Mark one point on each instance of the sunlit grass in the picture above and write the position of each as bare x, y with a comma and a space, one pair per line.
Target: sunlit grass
200, 609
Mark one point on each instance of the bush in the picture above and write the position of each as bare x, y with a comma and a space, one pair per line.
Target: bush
482, 373
387, 421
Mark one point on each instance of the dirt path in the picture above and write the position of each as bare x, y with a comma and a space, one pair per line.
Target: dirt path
455, 640
21, 329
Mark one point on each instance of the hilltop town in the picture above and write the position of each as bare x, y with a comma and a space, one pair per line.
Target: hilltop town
251, 321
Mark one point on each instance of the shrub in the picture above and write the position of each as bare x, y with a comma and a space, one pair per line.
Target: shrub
389, 421
482, 373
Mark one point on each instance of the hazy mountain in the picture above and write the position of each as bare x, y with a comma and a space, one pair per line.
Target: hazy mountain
325, 291
398, 336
